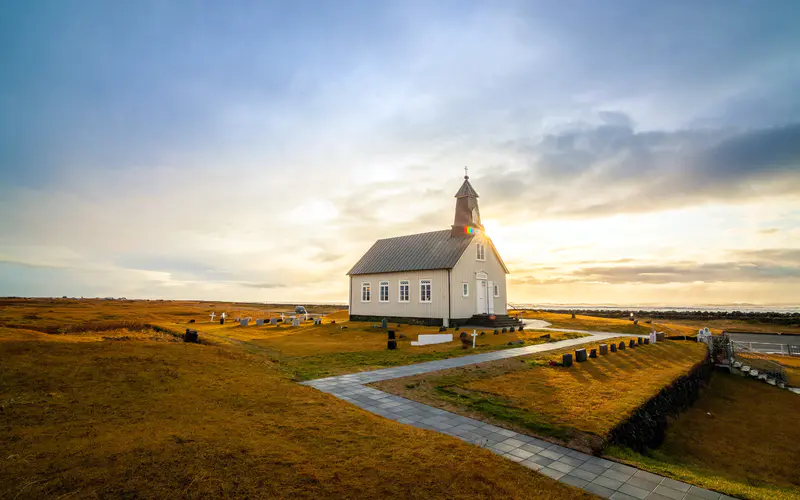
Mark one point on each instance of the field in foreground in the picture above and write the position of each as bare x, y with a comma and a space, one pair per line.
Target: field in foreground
138, 416
577, 405
740, 438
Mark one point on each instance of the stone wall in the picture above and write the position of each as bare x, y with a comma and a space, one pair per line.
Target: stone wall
646, 427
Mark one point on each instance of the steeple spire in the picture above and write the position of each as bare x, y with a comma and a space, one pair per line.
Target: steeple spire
467, 217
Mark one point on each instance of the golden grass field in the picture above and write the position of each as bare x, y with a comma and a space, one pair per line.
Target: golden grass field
577, 406
740, 438
133, 413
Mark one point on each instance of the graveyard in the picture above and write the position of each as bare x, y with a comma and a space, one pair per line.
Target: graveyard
120, 413
105, 398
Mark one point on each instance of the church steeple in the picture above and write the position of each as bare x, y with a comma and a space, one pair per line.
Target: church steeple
468, 217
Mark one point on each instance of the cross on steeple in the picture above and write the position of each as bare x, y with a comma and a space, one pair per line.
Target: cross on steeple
466, 173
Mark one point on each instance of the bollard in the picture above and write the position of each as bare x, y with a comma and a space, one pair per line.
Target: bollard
566, 360
580, 355
593, 353
613, 347
603, 349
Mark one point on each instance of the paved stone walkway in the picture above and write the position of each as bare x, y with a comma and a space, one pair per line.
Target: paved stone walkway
602, 477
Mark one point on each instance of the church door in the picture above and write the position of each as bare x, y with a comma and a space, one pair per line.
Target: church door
481, 294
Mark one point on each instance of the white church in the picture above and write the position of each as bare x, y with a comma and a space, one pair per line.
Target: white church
450, 277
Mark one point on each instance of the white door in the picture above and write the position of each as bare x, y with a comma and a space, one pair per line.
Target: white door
480, 294
490, 296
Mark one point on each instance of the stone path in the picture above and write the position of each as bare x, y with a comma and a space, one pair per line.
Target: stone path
602, 477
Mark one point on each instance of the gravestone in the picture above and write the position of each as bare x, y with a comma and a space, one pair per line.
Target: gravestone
442, 329
580, 355
273, 321
190, 336
645, 341
632, 343
622, 346
566, 360
392, 345
317, 321
593, 353
613, 348
545, 336
384, 323
244, 322
212, 317
295, 321
639, 340
603, 349
391, 335
660, 336
222, 321
259, 322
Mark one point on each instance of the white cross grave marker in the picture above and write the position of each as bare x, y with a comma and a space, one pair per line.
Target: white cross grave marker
474, 336
212, 316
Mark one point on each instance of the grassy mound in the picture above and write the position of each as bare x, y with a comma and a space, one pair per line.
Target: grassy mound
88, 418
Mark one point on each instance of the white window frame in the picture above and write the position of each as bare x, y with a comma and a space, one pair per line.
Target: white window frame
400, 285
465, 289
496, 290
366, 286
381, 286
481, 252
430, 291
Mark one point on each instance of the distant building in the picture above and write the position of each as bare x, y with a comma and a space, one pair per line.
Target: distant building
449, 277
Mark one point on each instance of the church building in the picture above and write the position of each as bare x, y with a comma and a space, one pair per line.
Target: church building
450, 277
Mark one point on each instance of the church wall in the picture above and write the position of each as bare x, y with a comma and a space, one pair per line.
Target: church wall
436, 309
464, 272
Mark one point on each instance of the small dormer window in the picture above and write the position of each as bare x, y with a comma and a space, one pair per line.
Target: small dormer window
481, 251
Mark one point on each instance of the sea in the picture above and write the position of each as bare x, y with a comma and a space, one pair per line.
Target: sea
747, 308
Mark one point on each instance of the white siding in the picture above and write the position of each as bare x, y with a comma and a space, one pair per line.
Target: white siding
437, 308
464, 272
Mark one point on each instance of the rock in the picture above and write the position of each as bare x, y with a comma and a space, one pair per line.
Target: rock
463, 335
580, 355
566, 359
483, 333
191, 321
545, 336
190, 336
511, 329
521, 327
495, 331
401, 336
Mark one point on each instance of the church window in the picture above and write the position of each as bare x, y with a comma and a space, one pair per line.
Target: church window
366, 291
465, 289
497, 290
424, 290
383, 292
405, 287
481, 251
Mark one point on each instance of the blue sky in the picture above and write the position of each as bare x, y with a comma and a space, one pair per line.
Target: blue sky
624, 151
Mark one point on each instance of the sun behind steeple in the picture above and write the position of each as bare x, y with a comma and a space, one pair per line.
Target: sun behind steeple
468, 217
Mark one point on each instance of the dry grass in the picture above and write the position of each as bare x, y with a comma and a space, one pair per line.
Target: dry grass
740, 438
83, 417
585, 322
577, 405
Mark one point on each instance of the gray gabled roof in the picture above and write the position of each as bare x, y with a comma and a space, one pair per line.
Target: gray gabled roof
415, 252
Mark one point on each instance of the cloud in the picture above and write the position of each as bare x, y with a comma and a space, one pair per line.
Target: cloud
597, 170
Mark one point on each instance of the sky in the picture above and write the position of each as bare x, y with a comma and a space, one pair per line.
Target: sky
625, 152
